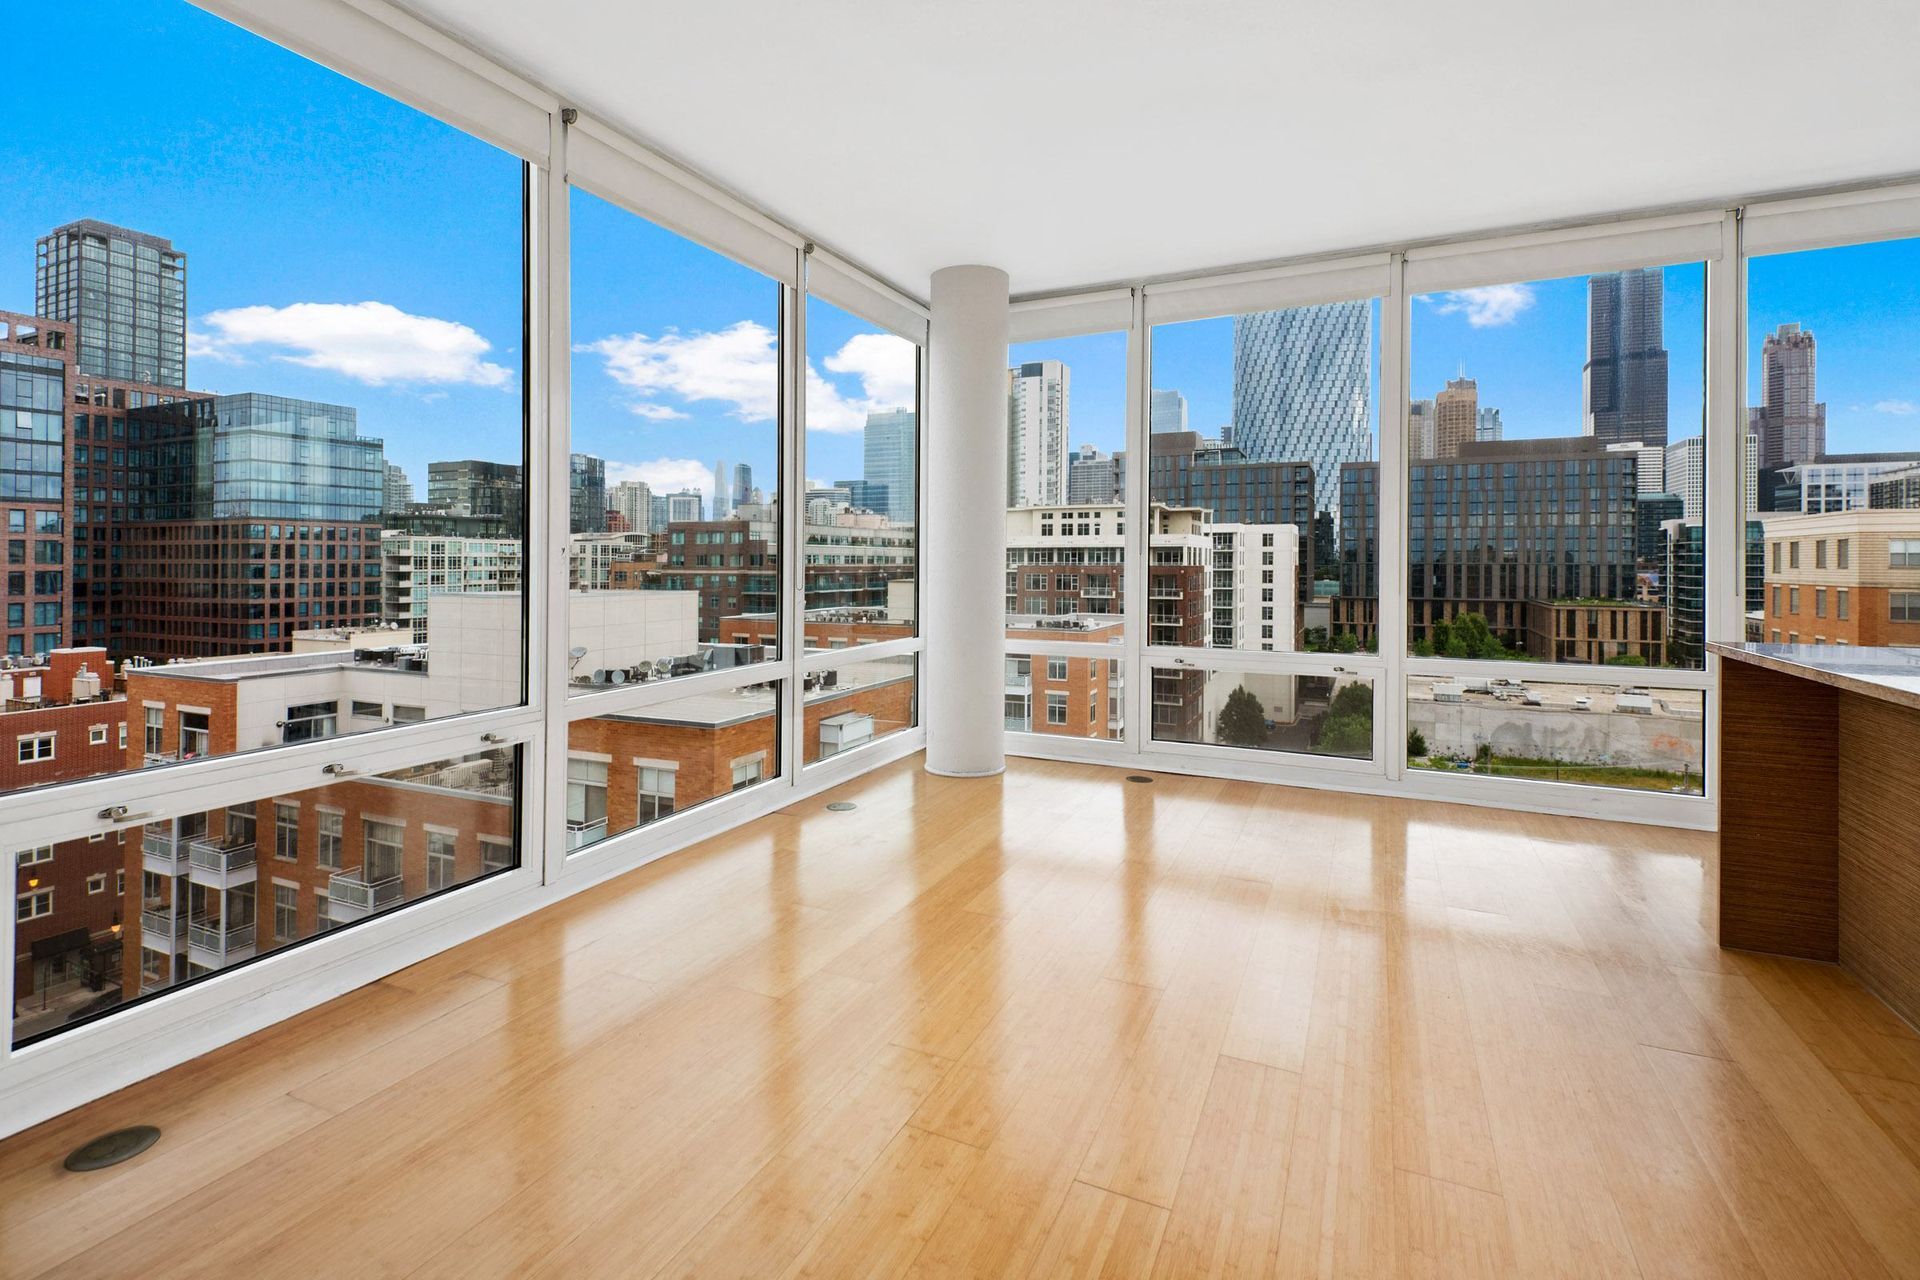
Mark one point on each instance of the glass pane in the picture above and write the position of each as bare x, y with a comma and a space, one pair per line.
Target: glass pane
624, 771
1557, 471
1257, 420
1833, 528
1556, 731
1066, 697
675, 479
860, 702
1305, 715
104, 921
279, 541
863, 444
1066, 525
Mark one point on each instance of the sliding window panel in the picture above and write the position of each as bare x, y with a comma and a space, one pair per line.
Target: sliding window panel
1286, 713
1591, 734
1066, 486
861, 532
674, 476
1257, 420
1832, 505
1059, 694
634, 767
1556, 481
193, 573
857, 703
104, 920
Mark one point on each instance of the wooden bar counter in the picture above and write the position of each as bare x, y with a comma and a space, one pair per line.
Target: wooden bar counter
1820, 809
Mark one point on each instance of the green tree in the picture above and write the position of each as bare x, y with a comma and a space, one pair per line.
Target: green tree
1315, 639
1346, 642
1355, 699
1243, 721
1348, 728
1416, 745
1627, 660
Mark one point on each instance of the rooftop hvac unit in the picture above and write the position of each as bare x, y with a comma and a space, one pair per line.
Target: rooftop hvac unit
617, 675
600, 676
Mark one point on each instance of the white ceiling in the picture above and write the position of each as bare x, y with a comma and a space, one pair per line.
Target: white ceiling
1083, 141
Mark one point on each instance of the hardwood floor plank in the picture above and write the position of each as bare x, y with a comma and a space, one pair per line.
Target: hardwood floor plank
1450, 1232
1100, 1236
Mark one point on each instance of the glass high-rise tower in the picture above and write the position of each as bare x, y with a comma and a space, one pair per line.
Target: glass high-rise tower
124, 292
1625, 378
1037, 396
890, 460
1302, 390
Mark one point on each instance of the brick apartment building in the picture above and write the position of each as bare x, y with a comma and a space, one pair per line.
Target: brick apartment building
1847, 577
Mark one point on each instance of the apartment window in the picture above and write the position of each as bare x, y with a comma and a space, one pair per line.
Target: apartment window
655, 793
1056, 708
1904, 606
330, 827
1820, 601
1840, 606
34, 905
586, 798
384, 843
32, 857
286, 911
310, 721
195, 737
367, 710
1841, 549
408, 714
440, 860
1793, 600
1903, 553
286, 831
96, 735
495, 854
322, 910
1820, 553
97, 883
153, 741
1776, 600
1793, 555
1056, 668
36, 747
748, 772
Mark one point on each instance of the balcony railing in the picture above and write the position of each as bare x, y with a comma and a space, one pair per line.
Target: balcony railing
582, 834
162, 851
162, 927
224, 859
351, 889
220, 939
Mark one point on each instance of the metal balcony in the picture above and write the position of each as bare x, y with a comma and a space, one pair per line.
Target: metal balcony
582, 834
212, 944
163, 853
162, 931
217, 866
354, 897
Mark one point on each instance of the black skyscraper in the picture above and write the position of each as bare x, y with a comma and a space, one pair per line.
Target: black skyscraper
1626, 370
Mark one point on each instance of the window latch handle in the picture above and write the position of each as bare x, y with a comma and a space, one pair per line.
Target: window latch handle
120, 813
339, 770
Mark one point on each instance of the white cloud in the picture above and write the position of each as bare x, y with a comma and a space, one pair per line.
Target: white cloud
1902, 408
737, 367
1488, 307
370, 342
664, 475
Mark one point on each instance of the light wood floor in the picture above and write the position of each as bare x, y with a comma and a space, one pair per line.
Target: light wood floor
1051, 1024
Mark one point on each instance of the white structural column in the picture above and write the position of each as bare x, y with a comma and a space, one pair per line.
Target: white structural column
965, 544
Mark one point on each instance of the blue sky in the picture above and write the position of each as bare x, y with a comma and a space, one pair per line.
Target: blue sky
345, 248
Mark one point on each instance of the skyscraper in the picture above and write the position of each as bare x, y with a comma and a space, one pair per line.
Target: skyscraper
1420, 429
633, 499
890, 460
1093, 477
586, 493
1168, 411
399, 489
742, 484
1791, 426
1624, 387
1456, 416
1037, 434
478, 487
125, 292
1301, 389
1686, 476
722, 490
1489, 428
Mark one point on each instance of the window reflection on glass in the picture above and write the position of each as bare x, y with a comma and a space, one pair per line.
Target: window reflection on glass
626, 770
1647, 739
195, 894
1265, 711
1833, 497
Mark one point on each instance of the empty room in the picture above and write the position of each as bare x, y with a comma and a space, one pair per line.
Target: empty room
869, 639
